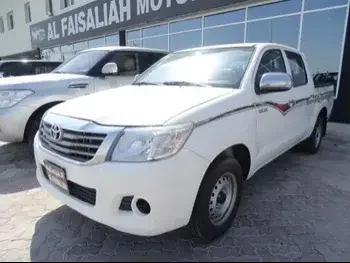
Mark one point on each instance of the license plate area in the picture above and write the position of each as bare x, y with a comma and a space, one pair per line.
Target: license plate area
56, 175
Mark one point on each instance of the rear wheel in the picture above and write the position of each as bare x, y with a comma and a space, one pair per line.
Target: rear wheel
313, 143
218, 200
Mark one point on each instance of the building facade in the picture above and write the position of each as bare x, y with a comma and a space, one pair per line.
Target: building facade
56, 30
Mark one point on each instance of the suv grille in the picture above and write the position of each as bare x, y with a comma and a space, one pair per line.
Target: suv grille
75, 145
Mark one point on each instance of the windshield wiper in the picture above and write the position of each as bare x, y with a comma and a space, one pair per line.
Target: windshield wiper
182, 83
146, 83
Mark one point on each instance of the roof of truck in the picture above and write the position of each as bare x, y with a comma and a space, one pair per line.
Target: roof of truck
258, 45
126, 48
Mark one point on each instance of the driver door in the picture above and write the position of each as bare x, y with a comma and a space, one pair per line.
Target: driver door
127, 70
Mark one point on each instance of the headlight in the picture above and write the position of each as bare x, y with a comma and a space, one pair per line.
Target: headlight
9, 98
150, 143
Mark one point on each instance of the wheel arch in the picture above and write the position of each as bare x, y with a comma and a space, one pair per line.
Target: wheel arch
37, 113
238, 151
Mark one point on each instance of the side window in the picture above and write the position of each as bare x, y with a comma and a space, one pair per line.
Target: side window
17, 69
271, 61
39, 68
297, 67
146, 60
127, 65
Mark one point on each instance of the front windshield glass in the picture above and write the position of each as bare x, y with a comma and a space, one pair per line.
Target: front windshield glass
81, 63
219, 67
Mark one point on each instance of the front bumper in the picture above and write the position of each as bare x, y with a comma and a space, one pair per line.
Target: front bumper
170, 186
13, 122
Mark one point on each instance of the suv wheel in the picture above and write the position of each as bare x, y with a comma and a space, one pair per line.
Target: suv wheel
218, 200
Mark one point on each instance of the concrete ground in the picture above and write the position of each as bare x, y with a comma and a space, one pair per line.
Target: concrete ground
295, 209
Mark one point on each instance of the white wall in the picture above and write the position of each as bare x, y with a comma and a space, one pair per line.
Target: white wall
18, 39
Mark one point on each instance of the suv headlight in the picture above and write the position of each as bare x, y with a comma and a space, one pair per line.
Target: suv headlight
9, 98
150, 143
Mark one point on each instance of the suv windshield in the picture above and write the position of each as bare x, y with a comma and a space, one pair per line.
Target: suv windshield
82, 63
219, 67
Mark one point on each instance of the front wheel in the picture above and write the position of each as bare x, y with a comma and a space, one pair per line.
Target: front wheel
218, 200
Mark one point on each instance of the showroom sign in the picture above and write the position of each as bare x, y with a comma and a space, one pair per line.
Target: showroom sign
108, 16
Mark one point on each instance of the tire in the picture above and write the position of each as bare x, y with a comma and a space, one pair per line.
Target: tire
226, 175
32, 130
313, 143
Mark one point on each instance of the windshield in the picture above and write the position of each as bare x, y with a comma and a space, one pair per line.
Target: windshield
82, 63
220, 67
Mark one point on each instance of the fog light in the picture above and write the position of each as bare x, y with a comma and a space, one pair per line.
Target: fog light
143, 206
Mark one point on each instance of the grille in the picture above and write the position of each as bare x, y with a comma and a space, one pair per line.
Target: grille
75, 145
87, 195
82, 193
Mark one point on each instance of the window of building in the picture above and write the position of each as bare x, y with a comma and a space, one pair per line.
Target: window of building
112, 40
323, 54
27, 13
318, 4
271, 61
186, 25
10, 21
2, 27
97, 42
160, 42
282, 30
225, 18
66, 3
79, 46
223, 35
297, 67
186, 40
274, 9
49, 7
155, 31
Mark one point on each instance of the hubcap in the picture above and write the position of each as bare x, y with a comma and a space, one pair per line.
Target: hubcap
318, 135
222, 199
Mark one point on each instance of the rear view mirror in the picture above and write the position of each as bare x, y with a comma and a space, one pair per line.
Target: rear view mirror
275, 81
110, 69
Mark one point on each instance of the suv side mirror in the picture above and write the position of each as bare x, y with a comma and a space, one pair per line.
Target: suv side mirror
110, 68
275, 81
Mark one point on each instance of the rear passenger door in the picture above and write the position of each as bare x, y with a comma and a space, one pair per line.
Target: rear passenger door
301, 92
274, 121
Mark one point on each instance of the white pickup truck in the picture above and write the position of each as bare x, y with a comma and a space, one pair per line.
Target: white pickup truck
174, 147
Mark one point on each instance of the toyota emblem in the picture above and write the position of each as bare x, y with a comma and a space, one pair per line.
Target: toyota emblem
56, 133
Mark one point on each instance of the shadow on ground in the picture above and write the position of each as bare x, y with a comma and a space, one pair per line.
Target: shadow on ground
17, 168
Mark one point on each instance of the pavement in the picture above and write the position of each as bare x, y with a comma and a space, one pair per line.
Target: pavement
295, 209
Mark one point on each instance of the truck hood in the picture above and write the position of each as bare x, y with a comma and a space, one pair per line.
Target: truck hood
137, 105
32, 81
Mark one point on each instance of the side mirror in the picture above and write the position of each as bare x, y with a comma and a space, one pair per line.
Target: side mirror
136, 76
110, 69
274, 81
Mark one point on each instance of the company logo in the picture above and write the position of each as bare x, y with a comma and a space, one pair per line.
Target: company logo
56, 133
38, 34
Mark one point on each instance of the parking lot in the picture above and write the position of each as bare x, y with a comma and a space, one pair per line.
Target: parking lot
296, 208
